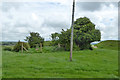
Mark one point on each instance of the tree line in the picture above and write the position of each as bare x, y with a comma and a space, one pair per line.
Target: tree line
84, 34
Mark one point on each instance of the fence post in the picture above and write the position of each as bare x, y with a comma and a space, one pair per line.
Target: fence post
22, 48
41, 47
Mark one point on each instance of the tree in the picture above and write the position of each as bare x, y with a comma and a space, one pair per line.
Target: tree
55, 38
34, 39
84, 34
64, 39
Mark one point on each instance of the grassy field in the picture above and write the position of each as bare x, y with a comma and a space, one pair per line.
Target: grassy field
109, 44
98, 63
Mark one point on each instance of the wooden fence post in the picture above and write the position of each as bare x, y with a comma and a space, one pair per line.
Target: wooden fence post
22, 48
41, 47
58, 45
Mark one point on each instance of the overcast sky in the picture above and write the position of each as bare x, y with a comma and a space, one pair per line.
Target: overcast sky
46, 17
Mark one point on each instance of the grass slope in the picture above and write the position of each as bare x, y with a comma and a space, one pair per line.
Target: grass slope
99, 63
109, 44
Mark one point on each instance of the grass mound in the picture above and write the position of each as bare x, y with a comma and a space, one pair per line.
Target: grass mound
109, 44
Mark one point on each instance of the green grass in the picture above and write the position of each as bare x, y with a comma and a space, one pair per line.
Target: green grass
98, 63
109, 44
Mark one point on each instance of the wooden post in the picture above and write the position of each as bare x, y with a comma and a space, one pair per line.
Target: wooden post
25, 49
71, 43
22, 47
41, 47
58, 45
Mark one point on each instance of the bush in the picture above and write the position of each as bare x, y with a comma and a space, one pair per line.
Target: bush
18, 46
7, 49
58, 49
48, 43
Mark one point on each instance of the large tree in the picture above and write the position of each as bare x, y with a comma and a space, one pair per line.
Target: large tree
84, 34
34, 39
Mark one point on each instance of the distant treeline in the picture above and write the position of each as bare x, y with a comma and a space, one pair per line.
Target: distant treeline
8, 43
46, 43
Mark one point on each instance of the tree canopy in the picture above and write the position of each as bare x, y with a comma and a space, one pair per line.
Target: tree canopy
84, 34
55, 38
34, 39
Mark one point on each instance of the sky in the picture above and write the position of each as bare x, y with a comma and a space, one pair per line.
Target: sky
49, 16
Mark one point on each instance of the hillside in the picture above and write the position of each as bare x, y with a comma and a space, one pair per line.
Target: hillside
109, 44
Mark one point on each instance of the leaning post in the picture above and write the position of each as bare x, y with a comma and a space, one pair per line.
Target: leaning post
71, 42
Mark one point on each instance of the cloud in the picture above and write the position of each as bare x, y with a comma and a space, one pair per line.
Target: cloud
33, 17
105, 18
46, 17
119, 21
94, 6
6, 6
89, 6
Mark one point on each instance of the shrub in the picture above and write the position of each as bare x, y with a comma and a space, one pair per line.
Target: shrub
18, 46
7, 48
